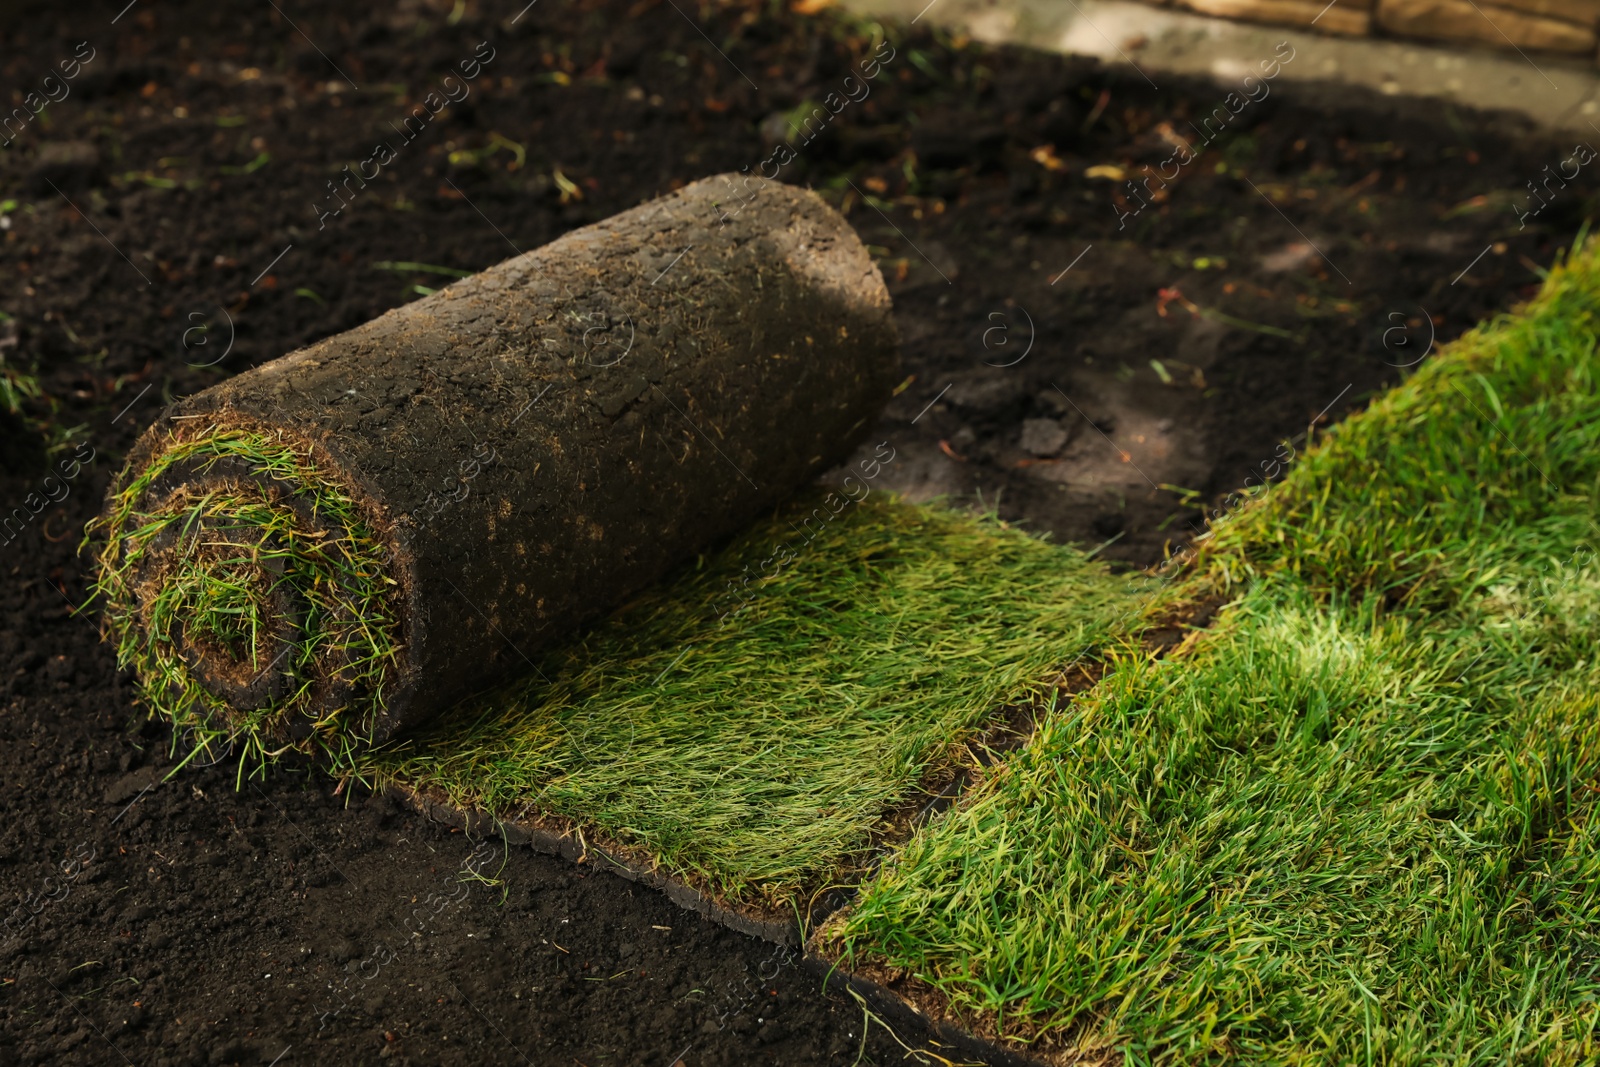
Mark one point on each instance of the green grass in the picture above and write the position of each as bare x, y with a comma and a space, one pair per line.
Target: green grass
1355, 822
226, 572
755, 754
16, 387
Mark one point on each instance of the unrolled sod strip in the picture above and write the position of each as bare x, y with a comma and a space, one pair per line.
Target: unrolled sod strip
344, 541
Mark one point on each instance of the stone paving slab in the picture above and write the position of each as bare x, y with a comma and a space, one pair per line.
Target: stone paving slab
1553, 92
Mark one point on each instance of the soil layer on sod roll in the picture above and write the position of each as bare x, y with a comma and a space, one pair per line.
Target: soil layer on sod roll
214, 922
346, 540
1357, 817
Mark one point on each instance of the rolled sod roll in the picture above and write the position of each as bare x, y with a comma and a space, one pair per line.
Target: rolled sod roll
344, 541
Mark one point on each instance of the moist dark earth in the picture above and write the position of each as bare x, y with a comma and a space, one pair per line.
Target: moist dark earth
170, 220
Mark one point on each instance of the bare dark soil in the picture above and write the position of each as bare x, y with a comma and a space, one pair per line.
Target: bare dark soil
177, 202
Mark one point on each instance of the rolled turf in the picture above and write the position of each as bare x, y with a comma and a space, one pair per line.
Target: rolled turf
350, 538
1355, 822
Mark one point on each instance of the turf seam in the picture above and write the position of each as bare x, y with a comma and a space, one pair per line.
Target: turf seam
1009, 728
910, 997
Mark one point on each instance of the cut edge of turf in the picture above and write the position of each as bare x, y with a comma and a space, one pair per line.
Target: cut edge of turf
1198, 604
890, 1003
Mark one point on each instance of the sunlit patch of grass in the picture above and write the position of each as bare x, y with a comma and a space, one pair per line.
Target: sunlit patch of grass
1353, 823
